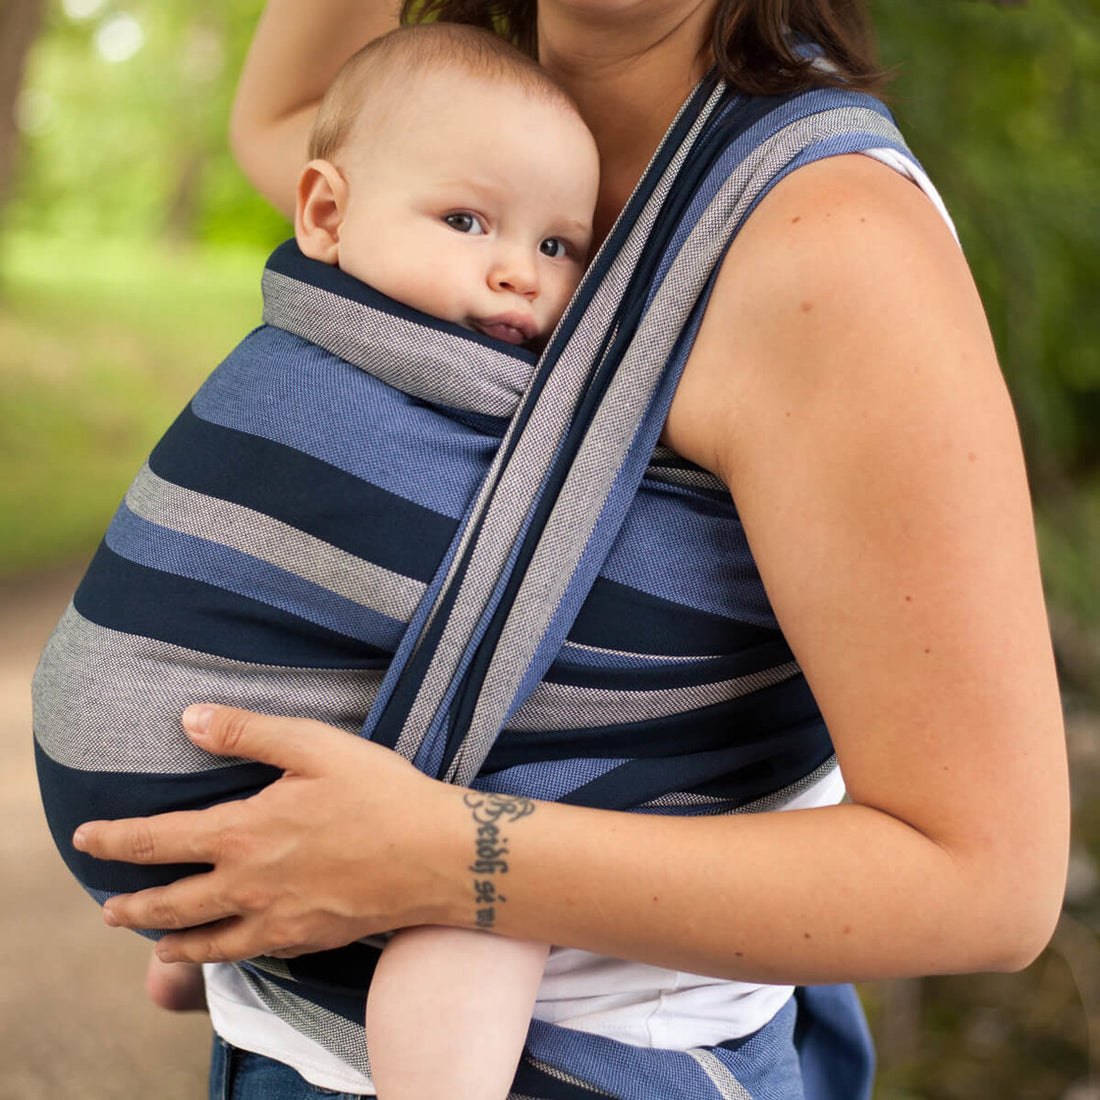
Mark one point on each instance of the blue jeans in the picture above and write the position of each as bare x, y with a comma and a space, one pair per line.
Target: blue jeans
241, 1075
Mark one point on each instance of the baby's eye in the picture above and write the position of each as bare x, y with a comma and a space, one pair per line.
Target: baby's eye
554, 246
465, 223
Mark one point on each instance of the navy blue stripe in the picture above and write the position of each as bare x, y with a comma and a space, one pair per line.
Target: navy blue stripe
746, 772
289, 260
209, 562
533, 1082
617, 616
336, 999
72, 796
752, 719
122, 595
304, 492
343, 973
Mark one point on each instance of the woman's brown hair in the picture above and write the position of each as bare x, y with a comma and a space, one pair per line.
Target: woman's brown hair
755, 42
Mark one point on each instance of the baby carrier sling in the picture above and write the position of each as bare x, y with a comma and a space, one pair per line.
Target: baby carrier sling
366, 506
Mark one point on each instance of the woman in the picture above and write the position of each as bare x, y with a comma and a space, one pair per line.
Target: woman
852, 404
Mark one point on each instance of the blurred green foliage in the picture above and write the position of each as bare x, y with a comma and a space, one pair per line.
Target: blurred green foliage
136, 147
101, 345
1002, 104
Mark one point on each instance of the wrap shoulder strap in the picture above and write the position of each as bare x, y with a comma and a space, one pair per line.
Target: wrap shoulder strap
533, 539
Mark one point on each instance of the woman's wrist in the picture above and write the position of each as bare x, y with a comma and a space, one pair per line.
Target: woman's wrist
466, 850
484, 853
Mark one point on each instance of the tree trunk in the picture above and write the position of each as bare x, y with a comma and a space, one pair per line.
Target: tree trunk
19, 21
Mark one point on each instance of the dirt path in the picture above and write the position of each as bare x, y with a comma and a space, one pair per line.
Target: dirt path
73, 1017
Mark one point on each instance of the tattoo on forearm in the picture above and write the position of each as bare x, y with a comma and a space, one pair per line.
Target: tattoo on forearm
490, 812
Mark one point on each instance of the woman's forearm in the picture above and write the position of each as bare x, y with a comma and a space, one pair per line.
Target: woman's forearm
807, 896
353, 841
296, 51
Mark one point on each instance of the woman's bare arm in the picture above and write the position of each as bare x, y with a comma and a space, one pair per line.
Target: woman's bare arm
298, 47
845, 385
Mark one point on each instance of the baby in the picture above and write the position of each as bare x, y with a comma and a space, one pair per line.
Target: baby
448, 172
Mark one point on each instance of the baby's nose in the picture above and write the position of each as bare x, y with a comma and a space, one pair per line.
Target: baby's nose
515, 271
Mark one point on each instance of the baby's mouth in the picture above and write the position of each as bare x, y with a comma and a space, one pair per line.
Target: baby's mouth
510, 328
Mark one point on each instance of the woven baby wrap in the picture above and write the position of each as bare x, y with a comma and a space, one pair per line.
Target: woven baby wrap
483, 561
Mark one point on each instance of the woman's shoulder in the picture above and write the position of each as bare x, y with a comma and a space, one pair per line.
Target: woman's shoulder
846, 267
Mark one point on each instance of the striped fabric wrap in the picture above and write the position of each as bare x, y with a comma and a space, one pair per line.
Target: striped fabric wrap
478, 558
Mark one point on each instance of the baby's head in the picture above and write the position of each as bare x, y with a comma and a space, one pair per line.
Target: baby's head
451, 173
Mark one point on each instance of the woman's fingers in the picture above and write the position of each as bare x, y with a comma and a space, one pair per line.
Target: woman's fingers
187, 903
186, 836
288, 743
226, 941
307, 863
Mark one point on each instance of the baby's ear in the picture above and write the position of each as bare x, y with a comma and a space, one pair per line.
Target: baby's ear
319, 210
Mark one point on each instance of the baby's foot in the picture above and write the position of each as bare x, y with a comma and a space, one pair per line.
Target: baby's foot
176, 986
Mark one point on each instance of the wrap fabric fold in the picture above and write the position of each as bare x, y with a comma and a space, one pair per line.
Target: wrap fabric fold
483, 561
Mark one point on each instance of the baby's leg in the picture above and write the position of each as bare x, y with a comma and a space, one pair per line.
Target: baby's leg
448, 1011
175, 986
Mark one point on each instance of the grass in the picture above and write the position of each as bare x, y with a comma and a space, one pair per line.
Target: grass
101, 344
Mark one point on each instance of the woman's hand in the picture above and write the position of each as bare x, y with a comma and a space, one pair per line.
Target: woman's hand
344, 845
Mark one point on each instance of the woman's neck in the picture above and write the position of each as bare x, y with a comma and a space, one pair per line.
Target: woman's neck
629, 69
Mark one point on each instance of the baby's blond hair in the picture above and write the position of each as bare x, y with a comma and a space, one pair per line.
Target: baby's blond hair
390, 63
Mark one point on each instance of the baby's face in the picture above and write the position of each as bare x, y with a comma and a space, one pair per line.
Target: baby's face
472, 202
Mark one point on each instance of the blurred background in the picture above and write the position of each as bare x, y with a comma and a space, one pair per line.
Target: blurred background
130, 253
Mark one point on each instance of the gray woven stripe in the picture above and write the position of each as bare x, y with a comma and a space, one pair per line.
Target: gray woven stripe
269, 965
648, 657
565, 706
509, 491
692, 479
342, 1037
568, 1078
403, 354
775, 801
666, 466
729, 1088
277, 543
108, 701
615, 423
